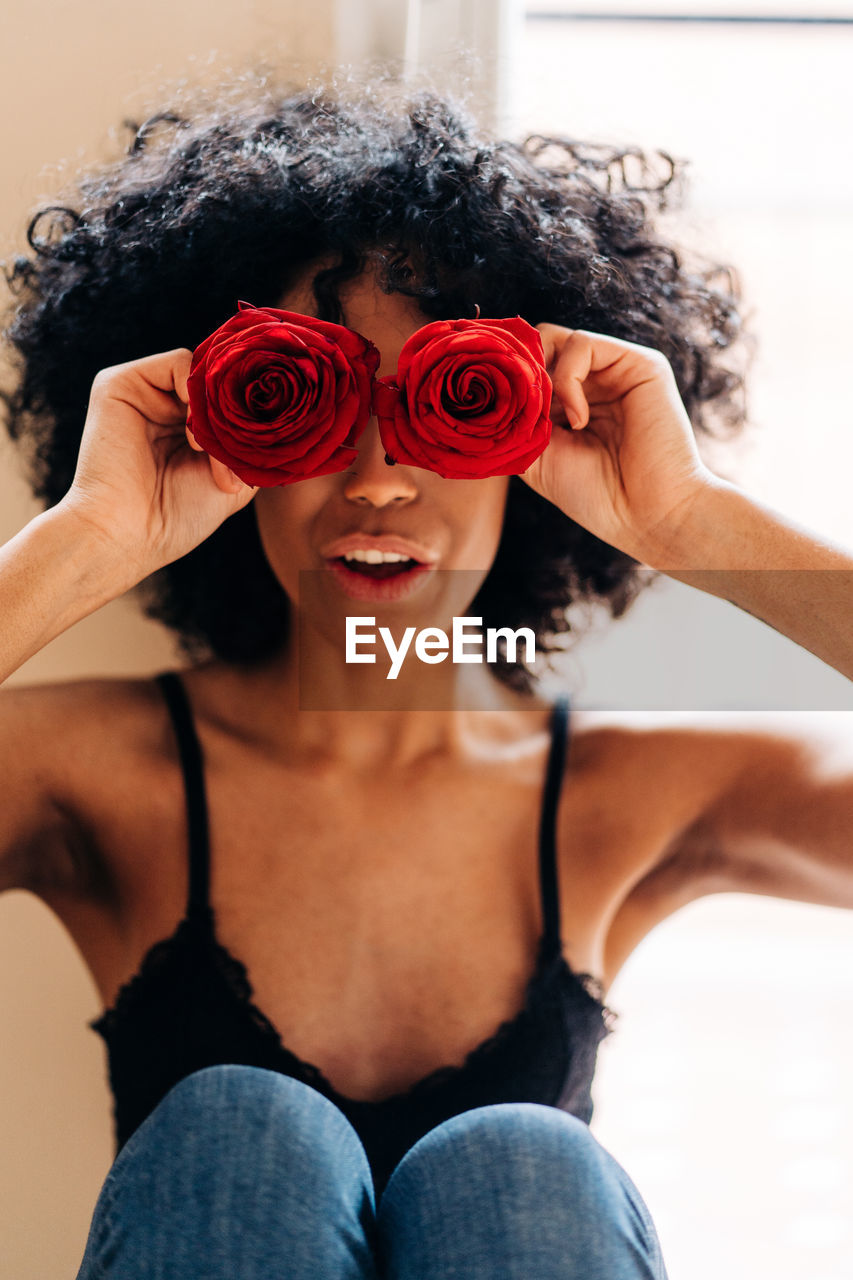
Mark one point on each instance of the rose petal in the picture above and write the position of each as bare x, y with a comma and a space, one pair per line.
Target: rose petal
280, 395
474, 398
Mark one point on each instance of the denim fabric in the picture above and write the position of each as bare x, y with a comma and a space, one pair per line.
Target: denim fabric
245, 1174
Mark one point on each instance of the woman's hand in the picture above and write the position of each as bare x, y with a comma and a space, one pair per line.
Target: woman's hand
141, 484
628, 468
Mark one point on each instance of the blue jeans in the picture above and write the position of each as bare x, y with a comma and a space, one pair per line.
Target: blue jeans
244, 1174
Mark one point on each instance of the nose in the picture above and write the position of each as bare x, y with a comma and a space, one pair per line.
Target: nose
371, 481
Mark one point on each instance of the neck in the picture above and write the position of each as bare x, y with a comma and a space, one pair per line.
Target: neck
310, 698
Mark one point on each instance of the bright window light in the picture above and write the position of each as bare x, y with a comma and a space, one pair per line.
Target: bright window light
724, 1090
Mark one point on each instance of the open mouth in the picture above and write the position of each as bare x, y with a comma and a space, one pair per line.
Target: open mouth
377, 576
386, 568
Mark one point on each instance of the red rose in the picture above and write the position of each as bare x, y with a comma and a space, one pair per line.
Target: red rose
280, 397
470, 398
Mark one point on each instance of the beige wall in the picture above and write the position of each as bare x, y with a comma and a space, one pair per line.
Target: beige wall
69, 74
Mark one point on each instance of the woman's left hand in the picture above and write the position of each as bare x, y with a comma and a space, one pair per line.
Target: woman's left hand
622, 460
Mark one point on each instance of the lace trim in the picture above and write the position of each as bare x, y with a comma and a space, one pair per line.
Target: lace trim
552, 970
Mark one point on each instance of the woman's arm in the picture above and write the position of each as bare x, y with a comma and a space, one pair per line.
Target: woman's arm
743, 803
782, 818
732, 546
53, 573
141, 497
630, 472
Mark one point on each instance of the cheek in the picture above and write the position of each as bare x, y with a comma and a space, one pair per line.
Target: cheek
480, 509
478, 515
284, 516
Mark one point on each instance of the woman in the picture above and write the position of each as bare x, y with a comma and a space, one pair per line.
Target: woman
307, 924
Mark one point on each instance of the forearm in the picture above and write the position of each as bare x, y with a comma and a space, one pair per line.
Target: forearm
732, 546
52, 574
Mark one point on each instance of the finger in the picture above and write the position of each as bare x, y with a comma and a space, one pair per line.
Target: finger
167, 370
613, 361
181, 372
225, 479
155, 386
568, 454
568, 358
605, 350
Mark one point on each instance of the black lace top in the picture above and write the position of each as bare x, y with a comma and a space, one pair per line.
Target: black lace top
190, 1005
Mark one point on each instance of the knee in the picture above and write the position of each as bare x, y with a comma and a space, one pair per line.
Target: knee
231, 1097
532, 1157
242, 1167
518, 1181
230, 1112
526, 1144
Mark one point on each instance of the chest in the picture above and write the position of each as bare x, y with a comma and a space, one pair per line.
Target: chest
383, 934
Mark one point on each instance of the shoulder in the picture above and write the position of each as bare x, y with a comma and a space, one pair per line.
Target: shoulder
651, 775
676, 806
63, 746
55, 720
683, 765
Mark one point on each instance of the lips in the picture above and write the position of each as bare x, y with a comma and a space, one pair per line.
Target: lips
392, 543
362, 586
378, 567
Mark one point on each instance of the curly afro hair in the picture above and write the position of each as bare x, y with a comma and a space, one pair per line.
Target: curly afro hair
232, 197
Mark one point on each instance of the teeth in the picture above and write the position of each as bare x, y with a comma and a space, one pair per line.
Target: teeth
372, 556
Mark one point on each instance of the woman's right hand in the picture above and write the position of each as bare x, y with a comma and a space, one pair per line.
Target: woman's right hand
140, 485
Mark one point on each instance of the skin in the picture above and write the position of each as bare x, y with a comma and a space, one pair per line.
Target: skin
386, 934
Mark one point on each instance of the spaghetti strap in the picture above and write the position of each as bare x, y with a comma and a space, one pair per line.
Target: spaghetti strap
551, 940
191, 1005
192, 766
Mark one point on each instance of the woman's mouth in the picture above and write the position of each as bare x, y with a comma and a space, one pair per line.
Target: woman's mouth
371, 574
377, 564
